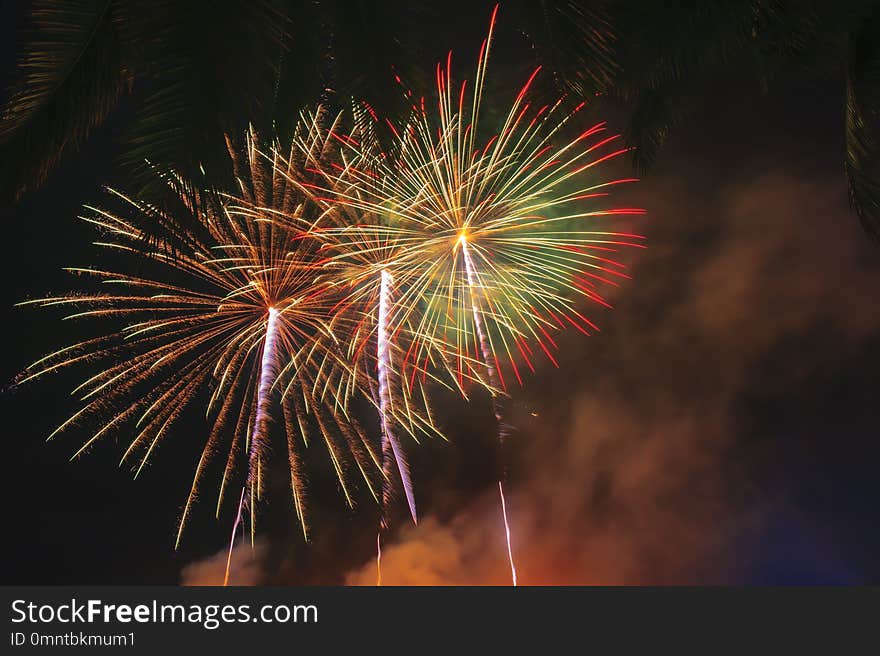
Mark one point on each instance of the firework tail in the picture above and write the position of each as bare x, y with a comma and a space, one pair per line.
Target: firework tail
261, 418
391, 450
232, 537
492, 374
483, 339
507, 533
383, 342
379, 558
250, 491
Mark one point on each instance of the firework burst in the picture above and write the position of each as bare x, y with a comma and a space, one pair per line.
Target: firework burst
497, 237
361, 266
502, 238
337, 269
228, 313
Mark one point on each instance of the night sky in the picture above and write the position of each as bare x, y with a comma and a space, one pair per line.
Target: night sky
721, 428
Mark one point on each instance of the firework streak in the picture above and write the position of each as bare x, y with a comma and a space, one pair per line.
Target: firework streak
383, 356
493, 239
360, 261
339, 270
232, 312
493, 379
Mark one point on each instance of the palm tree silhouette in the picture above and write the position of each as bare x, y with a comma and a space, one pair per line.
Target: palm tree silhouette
190, 72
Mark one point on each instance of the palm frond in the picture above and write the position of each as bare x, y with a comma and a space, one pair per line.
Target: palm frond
669, 44
373, 54
862, 121
783, 32
207, 69
71, 76
576, 40
655, 114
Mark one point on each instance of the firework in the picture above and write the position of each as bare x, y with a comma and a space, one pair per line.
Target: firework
335, 270
361, 266
507, 533
497, 239
229, 313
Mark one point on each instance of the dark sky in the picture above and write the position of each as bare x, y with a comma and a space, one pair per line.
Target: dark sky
720, 429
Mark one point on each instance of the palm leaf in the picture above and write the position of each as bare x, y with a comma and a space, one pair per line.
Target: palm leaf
372, 55
783, 33
655, 114
207, 69
576, 40
71, 75
862, 121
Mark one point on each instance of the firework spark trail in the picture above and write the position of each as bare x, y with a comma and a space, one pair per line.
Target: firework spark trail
473, 286
379, 559
507, 532
522, 202
490, 236
261, 417
232, 537
250, 491
474, 289
231, 303
388, 442
494, 237
384, 364
361, 261
389, 439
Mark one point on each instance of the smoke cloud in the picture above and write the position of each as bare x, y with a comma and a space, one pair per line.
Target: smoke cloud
632, 463
642, 480
245, 568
